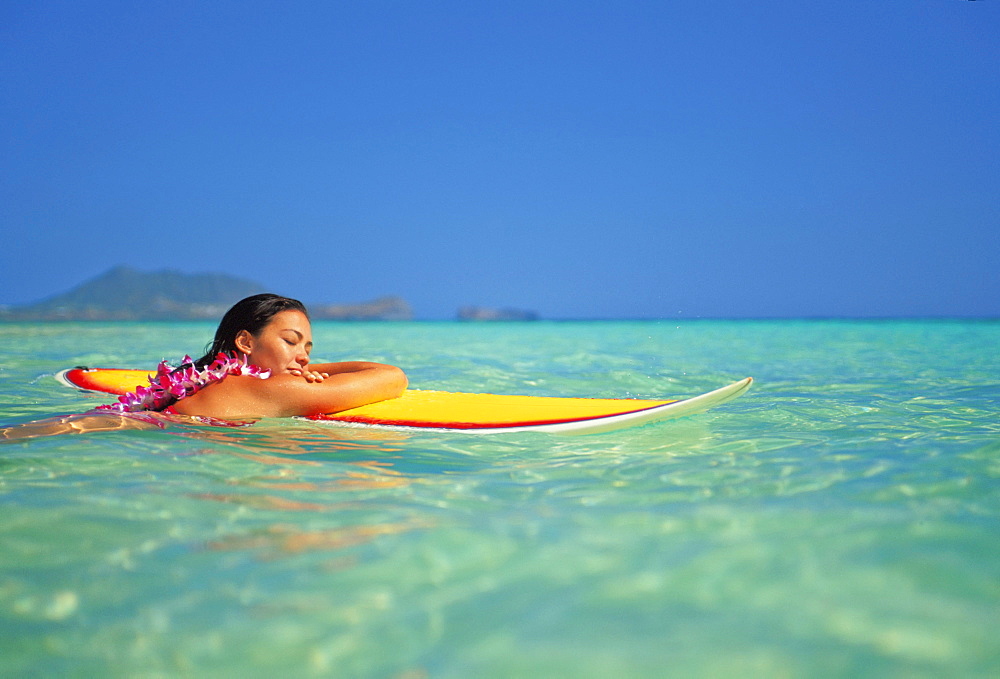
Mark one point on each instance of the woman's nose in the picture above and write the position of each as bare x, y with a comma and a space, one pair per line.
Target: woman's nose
302, 359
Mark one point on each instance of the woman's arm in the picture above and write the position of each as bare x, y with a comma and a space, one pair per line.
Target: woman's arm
75, 424
347, 385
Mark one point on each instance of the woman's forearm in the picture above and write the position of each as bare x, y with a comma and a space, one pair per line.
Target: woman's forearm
347, 367
347, 385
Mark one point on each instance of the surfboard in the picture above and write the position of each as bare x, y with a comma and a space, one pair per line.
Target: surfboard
427, 410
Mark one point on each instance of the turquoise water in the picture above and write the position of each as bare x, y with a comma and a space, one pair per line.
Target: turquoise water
841, 519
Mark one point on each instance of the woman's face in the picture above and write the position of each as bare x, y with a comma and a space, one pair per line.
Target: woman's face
282, 346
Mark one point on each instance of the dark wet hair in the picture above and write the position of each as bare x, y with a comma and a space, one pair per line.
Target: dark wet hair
250, 314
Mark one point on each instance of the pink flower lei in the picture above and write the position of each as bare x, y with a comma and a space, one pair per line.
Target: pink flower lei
170, 384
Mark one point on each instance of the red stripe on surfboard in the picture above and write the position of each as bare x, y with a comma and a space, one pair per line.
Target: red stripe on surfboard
424, 424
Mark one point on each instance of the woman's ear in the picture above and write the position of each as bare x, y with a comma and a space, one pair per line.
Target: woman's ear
244, 341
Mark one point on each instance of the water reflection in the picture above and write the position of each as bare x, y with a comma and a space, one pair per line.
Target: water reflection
310, 486
285, 540
306, 477
296, 438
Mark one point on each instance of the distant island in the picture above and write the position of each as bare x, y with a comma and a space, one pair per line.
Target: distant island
125, 294
478, 313
390, 308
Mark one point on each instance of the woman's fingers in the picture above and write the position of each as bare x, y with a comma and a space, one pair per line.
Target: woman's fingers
310, 375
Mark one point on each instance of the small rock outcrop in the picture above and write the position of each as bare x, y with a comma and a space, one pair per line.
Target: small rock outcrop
479, 313
382, 309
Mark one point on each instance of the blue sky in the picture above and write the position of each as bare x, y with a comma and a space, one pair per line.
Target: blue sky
580, 159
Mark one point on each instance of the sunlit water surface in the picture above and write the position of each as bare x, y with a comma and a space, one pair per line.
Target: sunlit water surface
841, 519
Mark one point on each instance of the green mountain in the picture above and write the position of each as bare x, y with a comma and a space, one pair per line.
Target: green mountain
124, 294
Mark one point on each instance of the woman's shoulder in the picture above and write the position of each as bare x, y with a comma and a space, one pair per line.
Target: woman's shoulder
237, 396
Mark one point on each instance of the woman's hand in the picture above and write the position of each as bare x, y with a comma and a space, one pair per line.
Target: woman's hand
310, 375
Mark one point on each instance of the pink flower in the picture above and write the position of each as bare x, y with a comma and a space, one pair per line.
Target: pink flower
170, 384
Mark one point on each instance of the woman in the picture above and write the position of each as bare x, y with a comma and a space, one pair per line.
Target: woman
257, 366
273, 334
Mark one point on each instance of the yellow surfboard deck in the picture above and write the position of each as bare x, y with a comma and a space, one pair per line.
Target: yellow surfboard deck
479, 413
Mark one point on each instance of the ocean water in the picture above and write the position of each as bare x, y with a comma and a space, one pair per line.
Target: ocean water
842, 519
